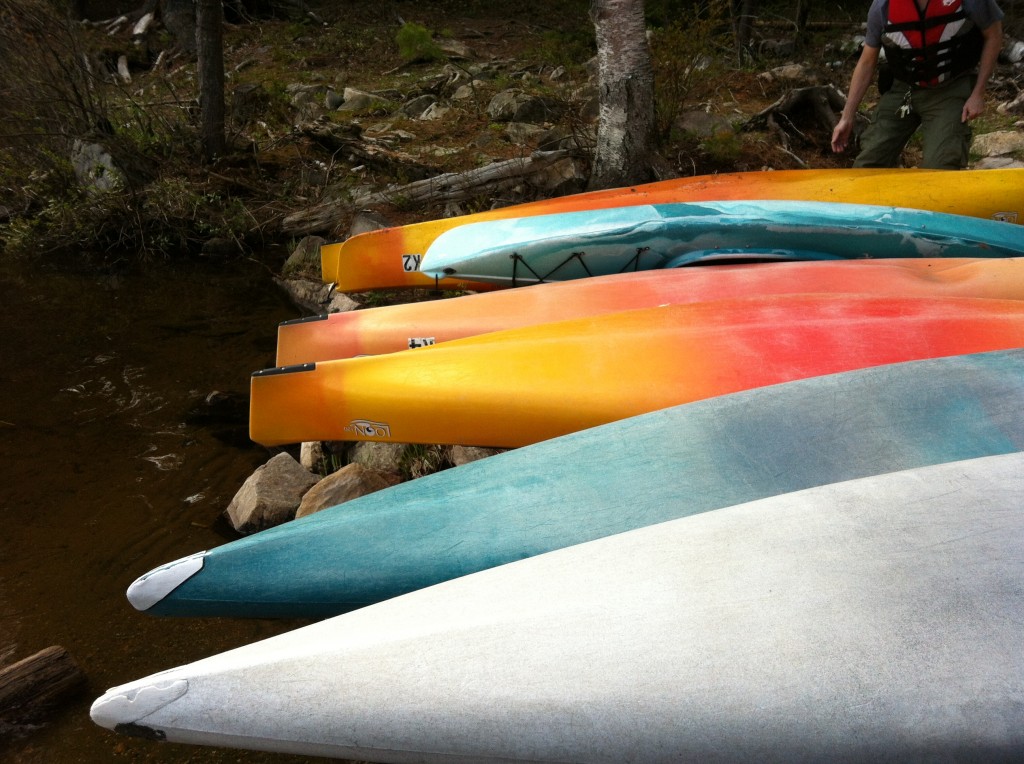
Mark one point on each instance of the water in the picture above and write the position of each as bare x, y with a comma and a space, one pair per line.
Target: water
107, 469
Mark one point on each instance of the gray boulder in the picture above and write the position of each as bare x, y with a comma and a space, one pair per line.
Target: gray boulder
314, 296
270, 496
95, 169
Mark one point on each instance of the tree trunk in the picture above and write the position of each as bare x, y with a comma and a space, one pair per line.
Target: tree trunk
210, 49
625, 132
803, 13
742, 27
179, 18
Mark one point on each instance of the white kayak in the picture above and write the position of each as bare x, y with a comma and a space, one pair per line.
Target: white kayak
879, 618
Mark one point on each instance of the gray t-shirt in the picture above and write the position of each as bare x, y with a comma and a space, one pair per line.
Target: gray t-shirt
984, 13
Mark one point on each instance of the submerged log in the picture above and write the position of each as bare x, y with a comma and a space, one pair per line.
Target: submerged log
38, 683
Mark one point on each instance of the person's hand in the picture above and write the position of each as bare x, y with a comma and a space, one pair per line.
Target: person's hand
973, 107
841, 134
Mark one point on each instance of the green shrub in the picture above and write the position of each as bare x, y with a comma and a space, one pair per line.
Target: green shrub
416, 43
687, 63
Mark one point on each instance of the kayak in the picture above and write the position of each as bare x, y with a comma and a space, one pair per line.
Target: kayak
390, 257
627, 474
391, 328
860, 621
572, 245
520, 386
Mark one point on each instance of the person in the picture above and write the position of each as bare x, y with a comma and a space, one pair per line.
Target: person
939, 56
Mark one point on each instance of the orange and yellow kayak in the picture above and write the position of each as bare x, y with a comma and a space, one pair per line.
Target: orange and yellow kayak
398, 327
390, 257
519, 386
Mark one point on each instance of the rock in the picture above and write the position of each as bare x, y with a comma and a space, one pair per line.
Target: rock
312, 455
417, 106
367, 220
465, 454
998, 143
314, 296
504, 105
568, 176
467, 91
333, 99
1016, 106
306, 100
701, 124
555, 138
997, 163
523, 133
435, 112
383, 457
270, 496
1013, 51
539, 109
304, 261
455, 49
94, 168
358, 100
350, 482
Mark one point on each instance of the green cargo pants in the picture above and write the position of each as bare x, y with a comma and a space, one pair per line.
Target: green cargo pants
935, 110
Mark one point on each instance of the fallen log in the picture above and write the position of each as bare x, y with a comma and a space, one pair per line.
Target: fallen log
441, 189
38, 683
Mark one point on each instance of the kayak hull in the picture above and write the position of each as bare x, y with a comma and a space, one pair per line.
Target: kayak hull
520, 386
389, 258
391, 328
856, 621
573, 245
639, 471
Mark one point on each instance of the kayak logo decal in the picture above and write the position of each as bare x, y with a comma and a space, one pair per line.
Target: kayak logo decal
368, 429
1005, 217
420, 342
411, 263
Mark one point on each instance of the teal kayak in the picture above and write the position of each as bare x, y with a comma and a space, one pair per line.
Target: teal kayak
571, 245
609, 479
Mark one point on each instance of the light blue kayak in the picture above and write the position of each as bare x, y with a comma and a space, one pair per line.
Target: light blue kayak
572, 245
594, 483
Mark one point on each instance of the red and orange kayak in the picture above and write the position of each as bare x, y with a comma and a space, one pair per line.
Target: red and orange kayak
519, 386
398, 327
390, 257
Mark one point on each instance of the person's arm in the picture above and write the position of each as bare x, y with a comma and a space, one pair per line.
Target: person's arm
975, 103
863, 74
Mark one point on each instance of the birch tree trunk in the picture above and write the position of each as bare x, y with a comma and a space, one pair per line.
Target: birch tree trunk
625, 132
210, 50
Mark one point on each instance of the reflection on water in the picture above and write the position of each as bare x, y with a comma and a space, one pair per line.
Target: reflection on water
106, 473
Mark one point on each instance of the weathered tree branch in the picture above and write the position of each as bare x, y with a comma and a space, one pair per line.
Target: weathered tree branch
450, 187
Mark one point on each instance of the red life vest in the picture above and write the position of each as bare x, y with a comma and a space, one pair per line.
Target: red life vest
927, 47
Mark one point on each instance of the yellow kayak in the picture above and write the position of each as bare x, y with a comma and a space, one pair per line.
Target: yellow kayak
520, 386
390, 257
